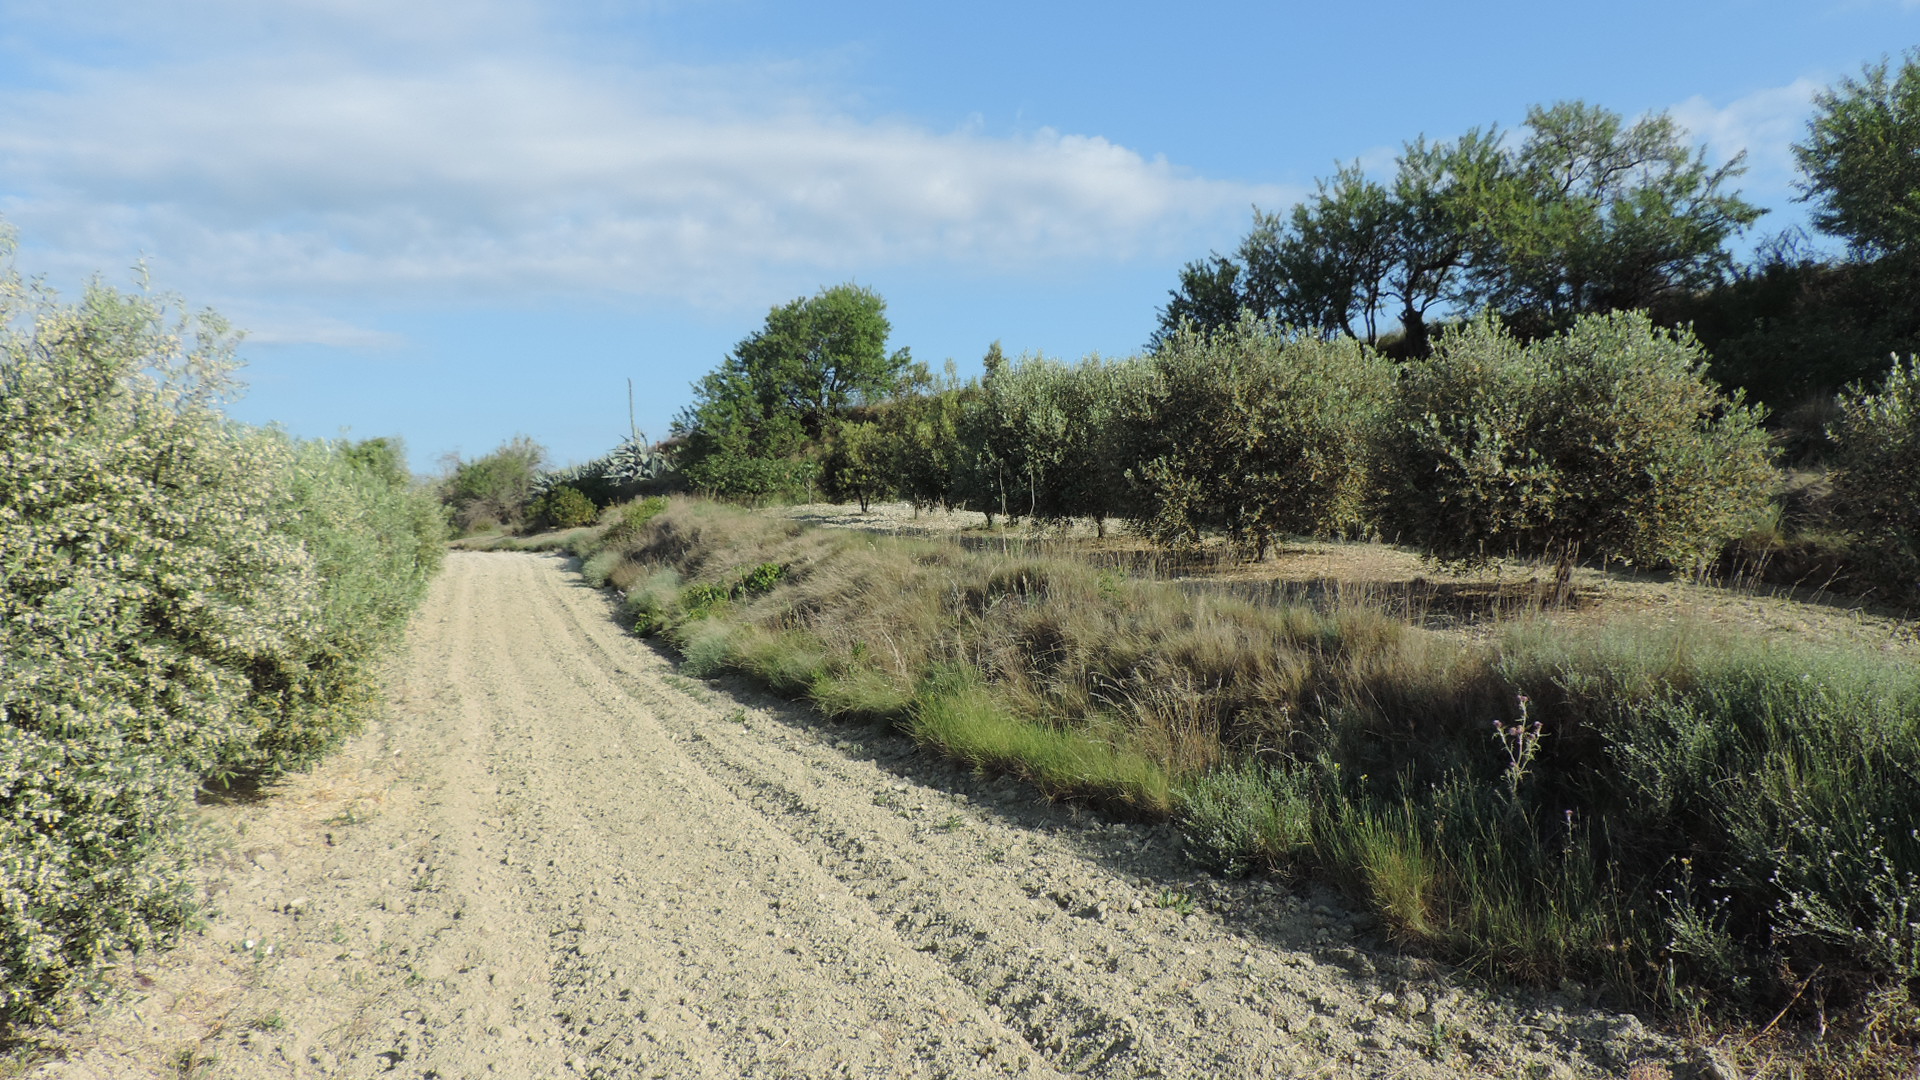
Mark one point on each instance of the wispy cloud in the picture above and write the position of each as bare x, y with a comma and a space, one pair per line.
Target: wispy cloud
1764, 125
343, 147
281, 324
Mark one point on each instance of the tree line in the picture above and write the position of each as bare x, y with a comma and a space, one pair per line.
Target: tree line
1583, 212
1606, 440
1535, 344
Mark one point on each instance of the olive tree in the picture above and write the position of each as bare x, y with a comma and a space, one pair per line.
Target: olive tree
1259, 432
1607, 440
1877, 474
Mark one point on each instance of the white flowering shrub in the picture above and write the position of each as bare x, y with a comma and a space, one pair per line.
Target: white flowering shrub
181, 597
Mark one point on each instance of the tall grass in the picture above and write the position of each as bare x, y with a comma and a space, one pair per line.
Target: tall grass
1698, 818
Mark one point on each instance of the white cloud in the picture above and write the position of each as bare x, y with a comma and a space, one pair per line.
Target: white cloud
1765, 124
297, 162
277, 324
1380, 162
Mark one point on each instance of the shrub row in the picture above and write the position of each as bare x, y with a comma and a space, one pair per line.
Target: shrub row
1606, 442
181, 597
1692, 817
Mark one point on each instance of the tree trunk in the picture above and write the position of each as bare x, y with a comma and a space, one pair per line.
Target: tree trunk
1416, 343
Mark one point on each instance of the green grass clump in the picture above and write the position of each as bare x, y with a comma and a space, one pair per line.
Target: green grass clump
969, 722
861, 692
790, 662
630, 520
706, 648
599, 565
1246, 817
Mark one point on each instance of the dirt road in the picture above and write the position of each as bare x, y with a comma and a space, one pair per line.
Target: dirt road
557, 858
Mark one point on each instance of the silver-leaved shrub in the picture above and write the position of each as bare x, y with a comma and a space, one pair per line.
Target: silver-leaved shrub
1261, 432
1607, 441
1877, 475
181, 598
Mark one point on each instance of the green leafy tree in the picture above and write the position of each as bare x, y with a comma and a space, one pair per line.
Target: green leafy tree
1861, 159
1437, 188
1354, 253
757, 422
1209, 293
1792, 328
1586, 213
1325, 270
1795, 327
1592, 214
817, 355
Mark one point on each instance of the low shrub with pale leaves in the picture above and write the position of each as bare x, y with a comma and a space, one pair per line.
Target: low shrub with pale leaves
181, 597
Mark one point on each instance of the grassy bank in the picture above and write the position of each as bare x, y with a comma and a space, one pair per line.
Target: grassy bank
1701, 820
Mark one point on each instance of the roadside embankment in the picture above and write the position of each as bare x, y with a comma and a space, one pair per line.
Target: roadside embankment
1690, 818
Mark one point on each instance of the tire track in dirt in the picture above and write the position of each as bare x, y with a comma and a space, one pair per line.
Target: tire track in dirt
558, 858
1060, 931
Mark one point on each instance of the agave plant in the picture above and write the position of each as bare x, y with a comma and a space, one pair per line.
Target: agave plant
634, 462
615, 475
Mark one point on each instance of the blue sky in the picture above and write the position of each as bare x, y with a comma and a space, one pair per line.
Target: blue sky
459, 221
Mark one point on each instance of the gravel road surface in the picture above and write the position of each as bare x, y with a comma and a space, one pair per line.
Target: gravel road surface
555, 857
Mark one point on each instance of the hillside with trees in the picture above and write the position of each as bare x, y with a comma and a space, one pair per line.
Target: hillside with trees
1449, 319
